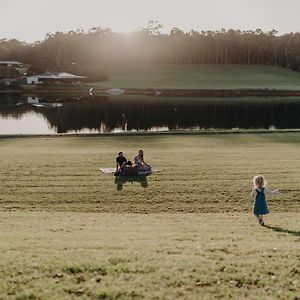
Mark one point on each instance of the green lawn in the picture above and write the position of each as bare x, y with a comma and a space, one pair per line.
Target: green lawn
69, 232
157, 256
200, 173
200, 76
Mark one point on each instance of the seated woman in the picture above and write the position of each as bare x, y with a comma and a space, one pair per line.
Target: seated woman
140, 164
121, 163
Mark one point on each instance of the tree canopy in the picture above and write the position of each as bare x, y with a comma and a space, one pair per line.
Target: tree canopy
87, 50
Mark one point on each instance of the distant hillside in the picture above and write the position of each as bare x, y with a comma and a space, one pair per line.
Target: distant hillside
201, 76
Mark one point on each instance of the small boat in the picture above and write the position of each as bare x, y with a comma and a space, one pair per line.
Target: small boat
48, 105
115, 91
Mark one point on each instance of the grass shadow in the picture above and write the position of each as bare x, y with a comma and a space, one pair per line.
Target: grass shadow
283, 230
121, 180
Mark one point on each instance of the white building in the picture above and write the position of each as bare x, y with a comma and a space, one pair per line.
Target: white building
33, 100
11, 63
53, 77
32, 80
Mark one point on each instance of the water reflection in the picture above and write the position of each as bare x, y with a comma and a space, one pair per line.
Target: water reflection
124, 113
27, 123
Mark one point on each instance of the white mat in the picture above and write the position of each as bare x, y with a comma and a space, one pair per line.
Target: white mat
112, 170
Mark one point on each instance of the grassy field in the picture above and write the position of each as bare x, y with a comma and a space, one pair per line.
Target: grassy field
157, 256
200, 173
67, 231
201, 77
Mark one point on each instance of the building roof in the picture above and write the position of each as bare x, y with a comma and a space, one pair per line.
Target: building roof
10, 62
60, 75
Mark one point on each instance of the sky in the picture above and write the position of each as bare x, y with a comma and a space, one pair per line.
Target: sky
30, 20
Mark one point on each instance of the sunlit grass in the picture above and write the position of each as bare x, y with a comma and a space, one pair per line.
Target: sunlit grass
200, 76
206, 173
67, 231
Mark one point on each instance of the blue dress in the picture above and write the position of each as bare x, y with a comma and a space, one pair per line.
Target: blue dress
260, 205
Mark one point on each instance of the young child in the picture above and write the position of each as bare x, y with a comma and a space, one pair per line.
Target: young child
258, 193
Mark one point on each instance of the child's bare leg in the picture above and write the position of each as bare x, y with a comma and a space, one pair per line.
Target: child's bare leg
260, 219
257, 217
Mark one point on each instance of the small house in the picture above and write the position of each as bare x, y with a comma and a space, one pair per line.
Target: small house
33, 100
49, 77
11, 64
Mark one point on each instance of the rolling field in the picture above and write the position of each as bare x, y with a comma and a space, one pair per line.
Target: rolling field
69, 232
200, 173
200, 77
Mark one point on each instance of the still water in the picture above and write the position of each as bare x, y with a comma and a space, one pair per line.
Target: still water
102, 114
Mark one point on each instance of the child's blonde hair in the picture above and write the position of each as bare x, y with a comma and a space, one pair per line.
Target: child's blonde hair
259, 182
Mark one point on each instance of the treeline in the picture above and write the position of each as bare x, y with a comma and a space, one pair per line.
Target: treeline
84, 51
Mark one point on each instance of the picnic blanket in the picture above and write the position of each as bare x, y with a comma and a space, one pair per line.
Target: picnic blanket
112, 171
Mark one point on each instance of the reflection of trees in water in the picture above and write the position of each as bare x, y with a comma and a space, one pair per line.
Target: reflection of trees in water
14, 111
10, 108
91, 114
88, 114
94, 113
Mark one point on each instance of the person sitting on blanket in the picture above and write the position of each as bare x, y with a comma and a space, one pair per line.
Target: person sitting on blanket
121, 163
140, 164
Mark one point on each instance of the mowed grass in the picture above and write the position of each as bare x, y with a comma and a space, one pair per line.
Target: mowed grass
200, 77
157, 256
69, 232
200, 173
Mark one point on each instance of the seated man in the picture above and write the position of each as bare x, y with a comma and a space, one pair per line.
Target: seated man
121, 163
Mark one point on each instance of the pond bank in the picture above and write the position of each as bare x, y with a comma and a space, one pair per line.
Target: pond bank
74, 90
153, 133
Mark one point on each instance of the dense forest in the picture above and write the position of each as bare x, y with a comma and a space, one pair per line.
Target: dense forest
84, 51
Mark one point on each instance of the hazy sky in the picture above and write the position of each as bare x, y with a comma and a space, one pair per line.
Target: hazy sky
30, 20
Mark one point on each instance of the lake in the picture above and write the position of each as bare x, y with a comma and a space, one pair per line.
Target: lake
23, 114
